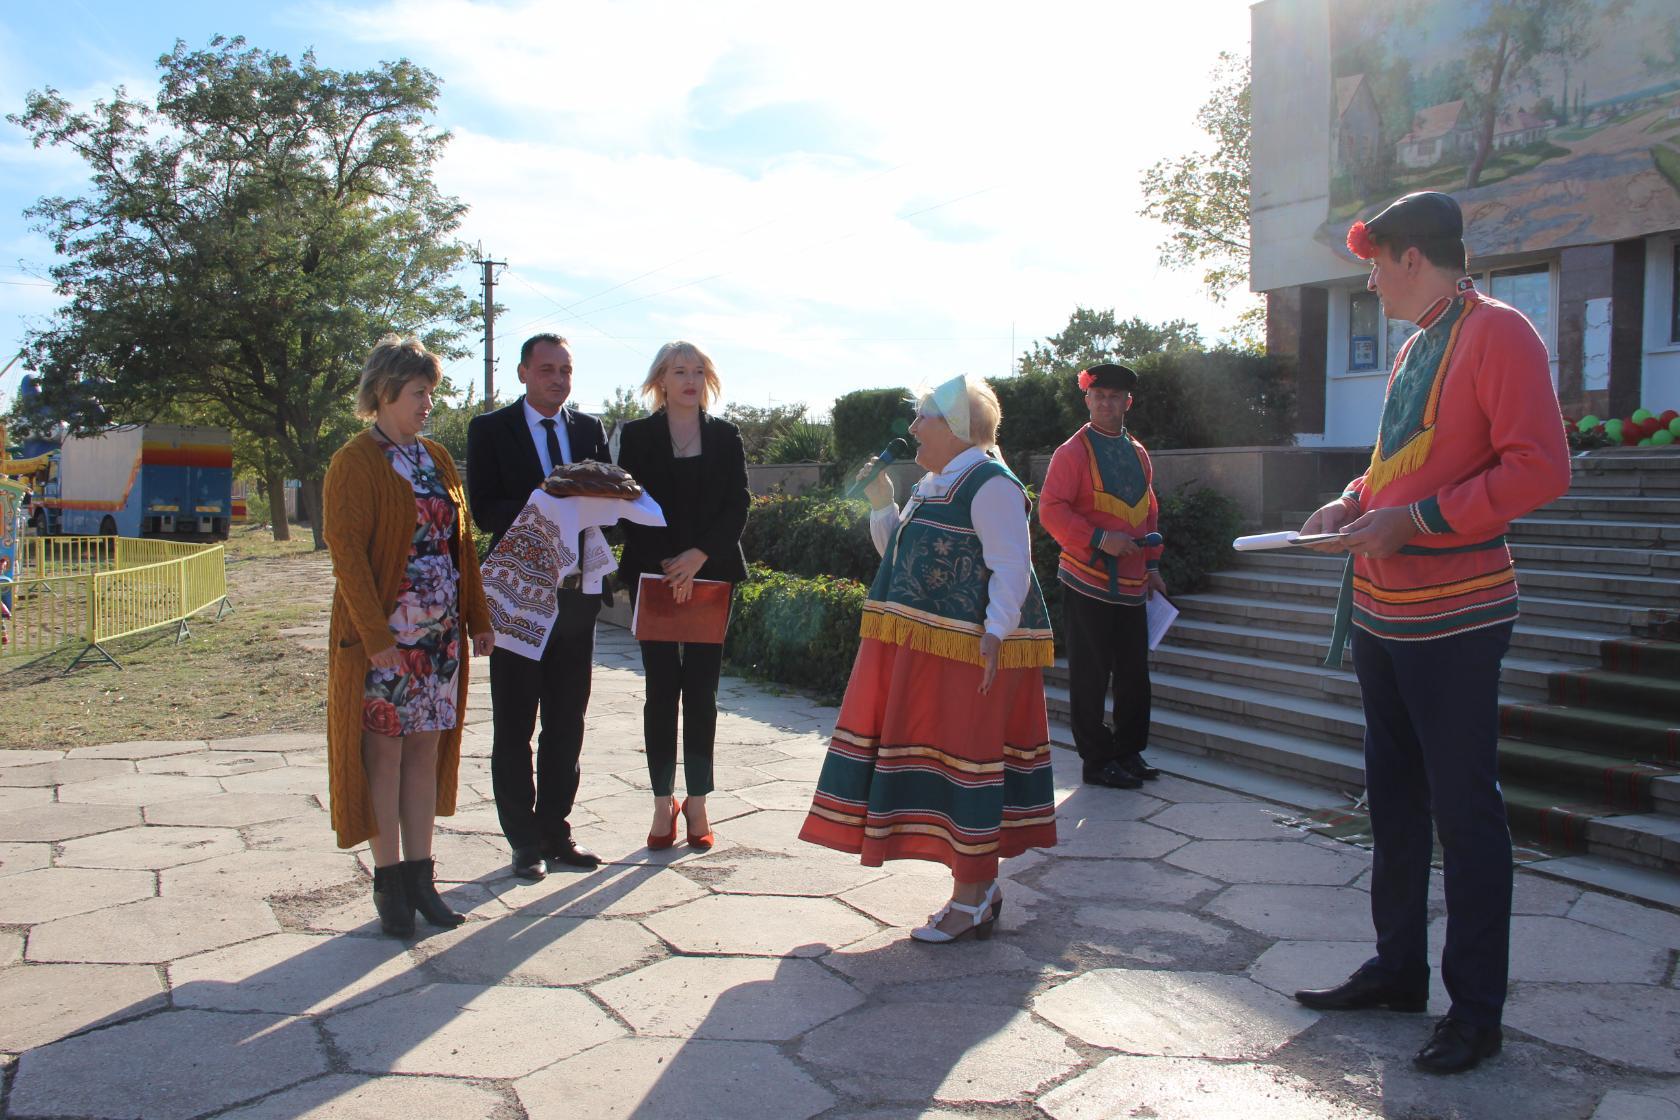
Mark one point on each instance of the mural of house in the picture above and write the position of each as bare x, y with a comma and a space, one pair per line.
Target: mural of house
1578, 226
1439, 133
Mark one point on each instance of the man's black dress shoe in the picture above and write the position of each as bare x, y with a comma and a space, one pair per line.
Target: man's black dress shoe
1363, 990
1111, 774
528, 864
1457, 1046
1134, 765
569, 854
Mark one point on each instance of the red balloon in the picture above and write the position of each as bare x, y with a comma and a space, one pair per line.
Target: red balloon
1649, 427
1669, 417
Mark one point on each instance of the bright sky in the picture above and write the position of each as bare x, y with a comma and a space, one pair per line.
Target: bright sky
824, 197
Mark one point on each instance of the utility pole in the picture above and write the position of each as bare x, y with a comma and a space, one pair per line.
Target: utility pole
489, 324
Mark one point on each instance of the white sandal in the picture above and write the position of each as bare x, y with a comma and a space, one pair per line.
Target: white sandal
982, 920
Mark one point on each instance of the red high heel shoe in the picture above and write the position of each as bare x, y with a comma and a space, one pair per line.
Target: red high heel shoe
655, 842
700, 840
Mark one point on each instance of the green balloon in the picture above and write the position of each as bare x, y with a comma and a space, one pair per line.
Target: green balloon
1674, 425
1646, 442
1662, 437
1587, 423
1640, 415
1613, 429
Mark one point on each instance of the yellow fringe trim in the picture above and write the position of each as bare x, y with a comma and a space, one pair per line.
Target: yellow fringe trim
1409, 458
1133, 514
1017, 653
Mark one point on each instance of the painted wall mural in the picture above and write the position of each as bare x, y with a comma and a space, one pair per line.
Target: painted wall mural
1553, 122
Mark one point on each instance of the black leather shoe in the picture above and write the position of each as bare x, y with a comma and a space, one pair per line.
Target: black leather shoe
1457, 1046
1113, 775
1362, 991
528, 864
570, 855
1134, 765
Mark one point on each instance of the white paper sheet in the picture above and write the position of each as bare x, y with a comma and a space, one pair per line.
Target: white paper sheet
1160, 613
1259, 542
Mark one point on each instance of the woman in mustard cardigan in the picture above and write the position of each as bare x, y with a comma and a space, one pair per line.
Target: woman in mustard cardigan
402, 551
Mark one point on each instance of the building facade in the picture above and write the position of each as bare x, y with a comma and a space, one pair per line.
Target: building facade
1561, 143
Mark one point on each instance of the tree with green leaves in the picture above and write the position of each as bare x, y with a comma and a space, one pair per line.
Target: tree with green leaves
1092, 337
1204, 196
761, 427
624, 405
244, 242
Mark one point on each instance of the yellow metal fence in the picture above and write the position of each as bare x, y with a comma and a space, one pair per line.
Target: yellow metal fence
94, 590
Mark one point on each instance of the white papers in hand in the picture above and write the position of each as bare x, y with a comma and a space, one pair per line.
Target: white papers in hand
1160, 612
1259, 542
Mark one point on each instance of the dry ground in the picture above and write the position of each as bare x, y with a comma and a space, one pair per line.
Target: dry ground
237, 676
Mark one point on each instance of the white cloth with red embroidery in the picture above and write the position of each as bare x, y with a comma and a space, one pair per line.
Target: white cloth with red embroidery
552, 538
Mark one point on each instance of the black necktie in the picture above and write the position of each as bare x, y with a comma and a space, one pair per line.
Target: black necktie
555, 459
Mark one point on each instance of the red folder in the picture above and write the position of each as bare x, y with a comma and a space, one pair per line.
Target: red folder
660, 618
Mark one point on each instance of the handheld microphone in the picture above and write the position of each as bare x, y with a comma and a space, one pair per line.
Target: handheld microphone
892, 453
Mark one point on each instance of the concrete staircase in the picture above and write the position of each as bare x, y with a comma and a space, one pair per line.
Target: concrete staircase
1590, 747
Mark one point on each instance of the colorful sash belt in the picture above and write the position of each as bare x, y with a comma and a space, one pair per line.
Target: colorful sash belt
1344, 601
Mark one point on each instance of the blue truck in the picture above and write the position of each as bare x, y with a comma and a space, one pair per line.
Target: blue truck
140, 480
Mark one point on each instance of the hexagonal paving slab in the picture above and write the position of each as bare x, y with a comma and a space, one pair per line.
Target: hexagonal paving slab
1156, 937
752, 999
891, 958
1100, 804
61, 772
229, 810
1270, 861
215, 1060
47, 1002
1228, 820
614, 891
659, 1078
1562, 951
1174, 1014
1097, 838
58, 892
1299, 913
151, 931
963, 1052
463, 1030
257, 875
1630, 1024
1131, 881
309, 780
138, 789
788, 875
140, 749
293, 974
278, 741
55, 823
539, 952
1186, 1089
13, 798
750, 925
353, 1097
207, 764
150, 847
1289, 966
15, 859
1645, 923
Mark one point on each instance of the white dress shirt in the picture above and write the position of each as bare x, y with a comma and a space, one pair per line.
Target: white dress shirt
539, 435
1000, 521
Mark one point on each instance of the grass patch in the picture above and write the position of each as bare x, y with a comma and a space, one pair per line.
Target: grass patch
237, 676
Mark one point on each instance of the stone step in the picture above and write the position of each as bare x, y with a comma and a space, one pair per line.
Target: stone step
1330, 765
1615, 507
1644, 591
1321, 589
1612, 734
1594, 530
1634, 693
1279, 625
1590, 560
1581, 777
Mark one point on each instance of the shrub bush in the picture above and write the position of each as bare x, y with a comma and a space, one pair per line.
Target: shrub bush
804, 441
796, 631
863, 423
811, 536
1197, 527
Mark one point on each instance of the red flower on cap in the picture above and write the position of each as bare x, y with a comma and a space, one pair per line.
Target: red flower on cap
1086, 379
1359, 242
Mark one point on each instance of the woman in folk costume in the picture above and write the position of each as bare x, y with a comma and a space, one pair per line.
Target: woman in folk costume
941, 751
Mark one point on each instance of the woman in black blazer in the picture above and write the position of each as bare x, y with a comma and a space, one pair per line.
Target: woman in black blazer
695, 468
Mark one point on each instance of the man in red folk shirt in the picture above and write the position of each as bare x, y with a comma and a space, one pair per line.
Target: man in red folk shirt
1471, 438
1098, 501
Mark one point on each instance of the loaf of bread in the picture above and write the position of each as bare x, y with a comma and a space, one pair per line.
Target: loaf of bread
589, 479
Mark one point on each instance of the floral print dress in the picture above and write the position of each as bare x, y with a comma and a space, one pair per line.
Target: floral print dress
421, 695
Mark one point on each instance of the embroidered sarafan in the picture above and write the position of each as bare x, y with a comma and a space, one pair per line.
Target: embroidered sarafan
931, 590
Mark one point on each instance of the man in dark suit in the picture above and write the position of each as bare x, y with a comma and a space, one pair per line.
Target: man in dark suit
509, 453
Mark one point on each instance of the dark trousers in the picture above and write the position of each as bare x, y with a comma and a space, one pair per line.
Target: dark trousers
533, 814
1107, 648
685, 672
1431, 752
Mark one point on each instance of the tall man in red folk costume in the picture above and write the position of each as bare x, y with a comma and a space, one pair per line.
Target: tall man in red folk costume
1098, 501
1471, 438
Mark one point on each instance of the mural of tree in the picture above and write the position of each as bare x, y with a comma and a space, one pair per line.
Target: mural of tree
1504, 49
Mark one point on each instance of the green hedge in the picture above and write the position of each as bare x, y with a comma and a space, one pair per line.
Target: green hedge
1197, 528
863, 423
811, 536
796, 631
